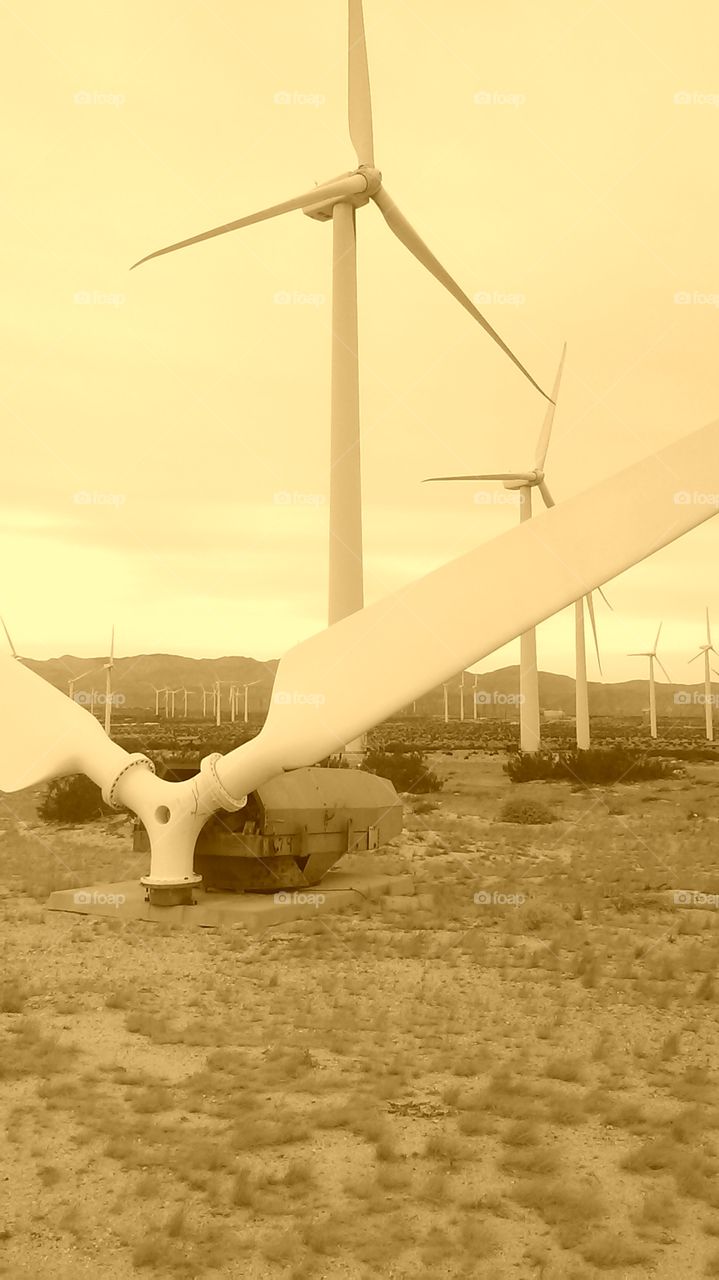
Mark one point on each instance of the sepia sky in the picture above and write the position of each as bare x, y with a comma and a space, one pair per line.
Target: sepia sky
165, 434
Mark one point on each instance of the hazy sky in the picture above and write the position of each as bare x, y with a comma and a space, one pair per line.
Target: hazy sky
559, 157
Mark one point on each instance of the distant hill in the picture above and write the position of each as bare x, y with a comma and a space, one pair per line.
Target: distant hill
135, 677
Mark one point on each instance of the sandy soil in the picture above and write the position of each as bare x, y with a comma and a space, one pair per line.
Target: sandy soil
521, 1085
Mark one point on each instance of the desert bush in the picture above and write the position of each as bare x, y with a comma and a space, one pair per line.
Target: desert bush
530, 812
72, 799
408, 770
598, 765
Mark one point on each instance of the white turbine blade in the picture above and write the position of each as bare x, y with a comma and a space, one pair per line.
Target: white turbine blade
46, 735
592, 619
7, 635
546, 432
350, 185
604, 598
397, 222
500, 475
546, 495
336, 685
656, 642
709, 634
700, 654
112, 644
661, 666
359, 98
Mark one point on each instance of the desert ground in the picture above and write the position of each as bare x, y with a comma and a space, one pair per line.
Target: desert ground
509, 1074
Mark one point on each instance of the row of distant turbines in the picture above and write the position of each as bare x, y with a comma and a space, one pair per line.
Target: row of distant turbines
165, 700
238, 693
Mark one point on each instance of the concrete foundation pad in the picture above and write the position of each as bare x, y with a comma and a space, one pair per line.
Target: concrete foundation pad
254, 911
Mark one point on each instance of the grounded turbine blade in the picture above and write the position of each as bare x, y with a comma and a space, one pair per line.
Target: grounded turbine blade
359, 98
501, 475
592, 619
353, 184
372, 663
397, 222
546, 432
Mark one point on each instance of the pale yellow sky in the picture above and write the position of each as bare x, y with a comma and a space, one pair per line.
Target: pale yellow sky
560, 155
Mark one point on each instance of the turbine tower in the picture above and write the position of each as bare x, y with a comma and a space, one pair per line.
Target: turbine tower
461, 697
706, 649
337, 201
524, 482
651, 654
446, 703
109, 666
245, 687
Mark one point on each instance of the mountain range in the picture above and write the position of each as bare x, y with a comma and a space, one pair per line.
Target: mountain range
136, 678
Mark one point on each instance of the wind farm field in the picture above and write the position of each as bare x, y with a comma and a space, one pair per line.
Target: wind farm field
510, 1073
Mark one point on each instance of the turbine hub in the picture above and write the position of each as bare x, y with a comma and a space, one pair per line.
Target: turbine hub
322, 211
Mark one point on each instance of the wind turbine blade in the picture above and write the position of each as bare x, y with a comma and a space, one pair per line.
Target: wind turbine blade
656, 642
48, 736
709, 634
700, 654
359, 98
397, 223
661, 666
546, 495
604, 598
334, 686
7, 635
350, 185
500, 475
546, 432
112, 643
592, 619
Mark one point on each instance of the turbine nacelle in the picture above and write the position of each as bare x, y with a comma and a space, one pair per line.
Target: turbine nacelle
323, 210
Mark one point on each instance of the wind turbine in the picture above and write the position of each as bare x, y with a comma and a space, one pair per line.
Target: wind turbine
109, 666
250, 684
184, 693
73, 681
218, 704
651, 654
524, 482
157, 693
461, 697
337, 201
368, 666
173, 694
474, 696
13, 650
706, 649
445, 691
